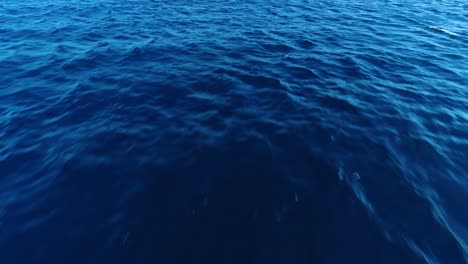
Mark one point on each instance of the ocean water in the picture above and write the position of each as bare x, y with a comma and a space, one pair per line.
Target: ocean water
256, 131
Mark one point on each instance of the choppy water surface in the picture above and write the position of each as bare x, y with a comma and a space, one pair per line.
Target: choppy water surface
233, 131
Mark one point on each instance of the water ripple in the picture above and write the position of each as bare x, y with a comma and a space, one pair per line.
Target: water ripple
244, 131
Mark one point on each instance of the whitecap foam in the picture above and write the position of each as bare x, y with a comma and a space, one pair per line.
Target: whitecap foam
443, 30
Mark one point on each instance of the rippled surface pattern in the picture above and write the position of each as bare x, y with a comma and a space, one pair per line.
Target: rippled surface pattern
257, 131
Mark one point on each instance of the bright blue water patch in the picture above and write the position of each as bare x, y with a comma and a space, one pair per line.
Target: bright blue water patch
250, 131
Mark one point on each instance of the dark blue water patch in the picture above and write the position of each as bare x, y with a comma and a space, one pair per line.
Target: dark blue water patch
215, 207
260, 223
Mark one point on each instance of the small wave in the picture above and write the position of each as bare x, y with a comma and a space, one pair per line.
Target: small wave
443, 30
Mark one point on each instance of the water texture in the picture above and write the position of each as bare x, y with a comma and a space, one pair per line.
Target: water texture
256, 131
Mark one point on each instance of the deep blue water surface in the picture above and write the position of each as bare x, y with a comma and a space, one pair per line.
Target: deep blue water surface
256, 131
